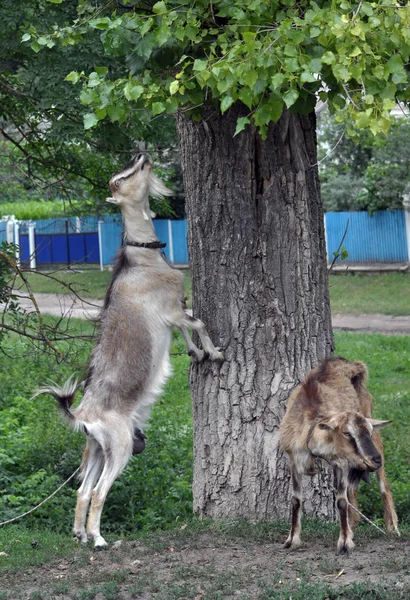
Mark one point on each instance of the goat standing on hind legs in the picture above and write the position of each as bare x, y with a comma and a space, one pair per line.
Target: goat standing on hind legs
329, 418
130, 362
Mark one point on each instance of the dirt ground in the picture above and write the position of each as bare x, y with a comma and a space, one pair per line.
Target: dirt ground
209, 567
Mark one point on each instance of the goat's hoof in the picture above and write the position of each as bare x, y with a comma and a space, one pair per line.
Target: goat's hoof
393, 529
292, 543
80, 536
100, 544
345, 547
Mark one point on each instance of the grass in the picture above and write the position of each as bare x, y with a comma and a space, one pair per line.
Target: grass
88, 283
387, 294
349, 294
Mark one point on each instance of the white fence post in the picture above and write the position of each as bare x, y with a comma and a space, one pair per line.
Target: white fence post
171, 242
100, 246
17, 241
32, 244
10, 229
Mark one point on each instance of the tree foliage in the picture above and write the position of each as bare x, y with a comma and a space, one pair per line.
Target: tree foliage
45, 151
269, 55
367, 173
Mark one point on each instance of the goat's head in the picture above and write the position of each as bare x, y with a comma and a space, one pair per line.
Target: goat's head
347, 436
133, 185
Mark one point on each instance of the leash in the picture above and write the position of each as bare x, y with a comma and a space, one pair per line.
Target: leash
365, 518
43, 502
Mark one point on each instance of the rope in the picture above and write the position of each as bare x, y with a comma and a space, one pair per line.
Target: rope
365, 518
43, 502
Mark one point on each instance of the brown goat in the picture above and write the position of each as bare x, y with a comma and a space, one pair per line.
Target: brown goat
329, 417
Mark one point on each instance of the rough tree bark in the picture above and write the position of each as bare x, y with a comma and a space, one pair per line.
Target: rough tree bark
259, 282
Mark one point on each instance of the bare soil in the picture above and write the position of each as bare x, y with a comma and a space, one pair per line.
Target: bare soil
211, 567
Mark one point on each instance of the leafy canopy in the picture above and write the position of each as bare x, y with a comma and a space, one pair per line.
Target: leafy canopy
269, 55
367, 173
45, 153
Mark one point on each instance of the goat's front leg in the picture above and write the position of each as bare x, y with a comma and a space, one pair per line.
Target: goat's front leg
293, 540
345, 542
209, 350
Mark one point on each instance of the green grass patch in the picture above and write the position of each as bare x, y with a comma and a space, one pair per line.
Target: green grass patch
349, 294
88, 283
388, 294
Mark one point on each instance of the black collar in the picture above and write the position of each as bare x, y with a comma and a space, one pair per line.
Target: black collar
155, 244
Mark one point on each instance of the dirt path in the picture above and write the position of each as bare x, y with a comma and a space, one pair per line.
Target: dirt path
62, 304
210, 566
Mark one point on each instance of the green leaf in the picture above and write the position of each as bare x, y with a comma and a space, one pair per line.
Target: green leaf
102, 23
146, 27
328, 58
241, 123
157, 108
307, 77
174, 87
245, 95
341, 72
290, 97
90, 119
292, 65
26, 37
226, 102
315, 65
74, 77
56, 1
133, 91
101, 71
276, 109
277, 80
115, 112
200, 65
159, 8
162, 34
250, 78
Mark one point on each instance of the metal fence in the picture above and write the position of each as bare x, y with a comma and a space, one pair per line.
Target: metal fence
85, 240
380, 238
383, 237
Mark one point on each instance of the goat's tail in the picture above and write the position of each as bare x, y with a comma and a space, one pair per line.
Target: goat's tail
63, 394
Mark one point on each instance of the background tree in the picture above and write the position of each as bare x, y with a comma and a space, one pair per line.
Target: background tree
243, 79
367, 172
45, 152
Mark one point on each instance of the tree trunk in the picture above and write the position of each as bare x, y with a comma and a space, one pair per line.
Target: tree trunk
259, 282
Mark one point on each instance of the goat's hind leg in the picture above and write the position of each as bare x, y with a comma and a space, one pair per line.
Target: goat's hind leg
116, 458
92, 466
294, 540
390, 515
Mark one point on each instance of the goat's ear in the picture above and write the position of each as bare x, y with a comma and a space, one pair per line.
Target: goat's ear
157, 189
376, 424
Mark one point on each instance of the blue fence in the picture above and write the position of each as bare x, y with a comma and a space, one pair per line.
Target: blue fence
92, 240
378, 238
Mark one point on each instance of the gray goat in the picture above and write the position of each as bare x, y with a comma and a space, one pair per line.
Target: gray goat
130, 362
